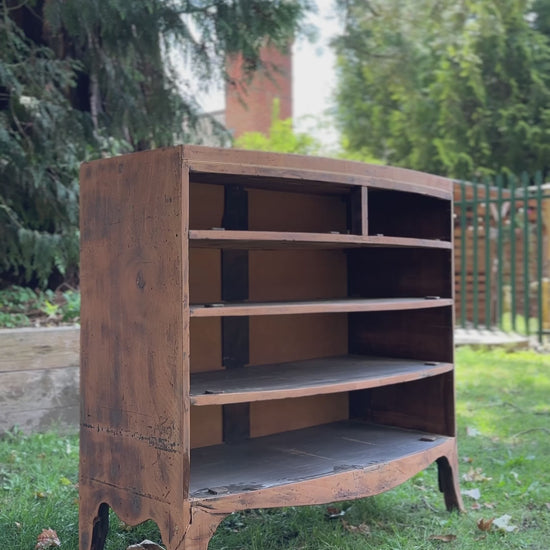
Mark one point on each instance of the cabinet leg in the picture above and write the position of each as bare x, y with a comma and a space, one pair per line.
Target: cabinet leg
203, 525
94, 526
448, 481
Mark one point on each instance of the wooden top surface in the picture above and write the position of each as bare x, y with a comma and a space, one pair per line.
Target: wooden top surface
288, 171
321, 169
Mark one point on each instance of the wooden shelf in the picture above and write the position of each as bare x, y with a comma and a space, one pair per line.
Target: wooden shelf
294, 457
266, 240
311, 377
348, 305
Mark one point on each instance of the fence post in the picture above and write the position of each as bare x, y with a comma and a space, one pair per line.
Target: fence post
488, 266
512, 188
500, 253
463, 254
526, 275
541, 290
475, 268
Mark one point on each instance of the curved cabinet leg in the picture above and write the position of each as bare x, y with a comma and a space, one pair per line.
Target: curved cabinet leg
94, 526
203, 525
448, 481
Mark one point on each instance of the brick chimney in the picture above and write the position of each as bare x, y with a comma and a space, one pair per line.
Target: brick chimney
248, 106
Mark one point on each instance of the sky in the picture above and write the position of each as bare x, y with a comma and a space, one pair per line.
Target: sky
313, 74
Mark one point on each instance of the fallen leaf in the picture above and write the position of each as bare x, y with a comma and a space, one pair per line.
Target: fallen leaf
47, 539
333, 512
475, 474
467, 459
40, 494
476, 506
18, 525
472, 493
503, 523
443, 538
485, 524
489, 505
145, 545
362, 528
65, 481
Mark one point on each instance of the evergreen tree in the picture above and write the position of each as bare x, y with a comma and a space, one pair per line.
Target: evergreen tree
84, 78
454, 87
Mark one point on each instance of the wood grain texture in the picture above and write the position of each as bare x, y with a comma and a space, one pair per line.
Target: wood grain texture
234, 309
270, 169
311, 377
334, 462
134, 352
289, 259
274, 240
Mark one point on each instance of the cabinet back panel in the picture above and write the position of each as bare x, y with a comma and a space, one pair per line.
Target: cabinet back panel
418, 334
297, 274
206, 205
281, 415
383, 272
398, 214
280, 211
279, 338
206, 426
205, 277
206, 344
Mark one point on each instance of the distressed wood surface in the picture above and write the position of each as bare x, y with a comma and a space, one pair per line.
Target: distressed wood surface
134, 434
265, 277
26, 349
39, 378
313, 377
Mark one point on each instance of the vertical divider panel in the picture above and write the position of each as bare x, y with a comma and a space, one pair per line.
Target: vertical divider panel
358, 211
235, 330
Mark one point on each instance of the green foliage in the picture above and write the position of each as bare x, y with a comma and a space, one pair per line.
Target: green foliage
82, 79
22, 306
454, 88
282, 138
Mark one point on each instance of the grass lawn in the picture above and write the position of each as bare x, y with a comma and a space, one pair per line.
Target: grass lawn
503, 410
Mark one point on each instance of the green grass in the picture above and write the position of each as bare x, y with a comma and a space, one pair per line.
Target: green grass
503, 409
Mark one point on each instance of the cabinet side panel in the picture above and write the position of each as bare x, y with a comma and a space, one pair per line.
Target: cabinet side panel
134, 348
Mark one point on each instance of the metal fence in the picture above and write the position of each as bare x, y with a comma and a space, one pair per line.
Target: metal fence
502, 254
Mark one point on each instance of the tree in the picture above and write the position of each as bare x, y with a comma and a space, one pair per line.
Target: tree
281, 139
84, 78
453, 87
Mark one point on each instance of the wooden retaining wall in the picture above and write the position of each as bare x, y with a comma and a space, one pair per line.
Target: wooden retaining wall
39, 379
